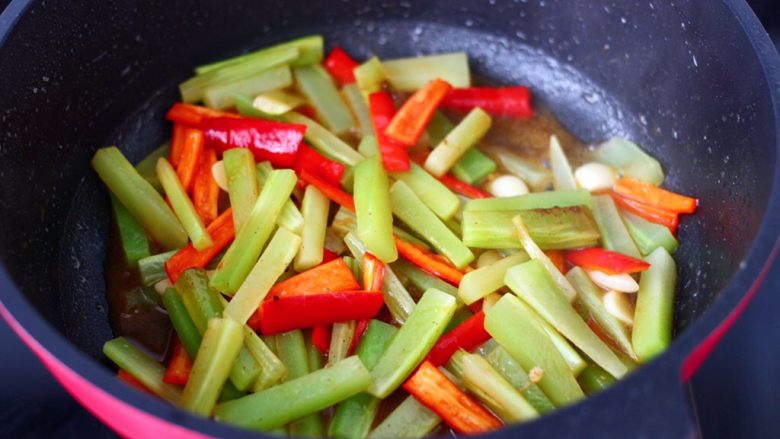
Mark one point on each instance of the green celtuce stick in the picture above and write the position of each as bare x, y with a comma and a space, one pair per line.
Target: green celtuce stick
182, 323
373, 210
414, 213
310, 51
415, 338
595, 379
533, 283
649, 236
485, 280
570, 355
353, 417
203, 304
345, 222
536, 176
510, 323
340, 341
431, 191
139, 197
591, 298
290, 217
654, 306
629, 160
316, 361
473, 167
554, 228
291, 348
438, 128
223, 95
465, 135
296, 398
536, 200
325, 141
368, 146
274, 261
422, 281
397, 299
148, 166
537, 254
563, 177
357, 104
142, 367
318, 88
219, 349
481, 379
614, 235
182, 205
410, 420
369, 76
245, 107
500, 359
276, 102
245, 249
152, 268
315, 207
272, 370
410, 74
195, 88
242, 183
135, 245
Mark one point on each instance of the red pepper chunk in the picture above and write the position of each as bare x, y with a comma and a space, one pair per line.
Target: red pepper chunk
276, 142
500, 101
180, 366
605, 260
328, 255
469, 335
341, 66
411, 120
320, 338
282, 314
394, 155
434, 390
463, 188
222, 233
309, 159
360, 329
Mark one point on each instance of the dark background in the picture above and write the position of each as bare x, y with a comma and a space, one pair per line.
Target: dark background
736, 392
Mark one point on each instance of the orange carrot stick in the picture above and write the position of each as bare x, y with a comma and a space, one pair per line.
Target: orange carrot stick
205, 192
428, 262
411, 120
190, 157
221, 232
655, 196
653, 214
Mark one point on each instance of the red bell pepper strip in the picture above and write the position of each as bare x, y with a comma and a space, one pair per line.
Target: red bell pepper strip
178, 371
320, 337
333, 192
428, 262
476, 306
282, 314
309, 159
499, 101
410, 122
190, 157
133, 382
435, 391
373, 272
221, 232
655, 196
558, 258
205, 192
605, 260
360, 329
653, 214
596, 328
276, 142
328, 256
178, 138
469, 335
341, 66
463, 188
194, 115
308, 111
394, 155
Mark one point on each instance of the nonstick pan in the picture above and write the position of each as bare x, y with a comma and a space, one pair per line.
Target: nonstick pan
694, 82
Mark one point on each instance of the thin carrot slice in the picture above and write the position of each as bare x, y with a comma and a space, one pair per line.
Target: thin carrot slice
655, 196
178, 371
411, 120
332, 192
190, 157
653, 214
428, 262
432, 388
221, 232
178, 139
205, 191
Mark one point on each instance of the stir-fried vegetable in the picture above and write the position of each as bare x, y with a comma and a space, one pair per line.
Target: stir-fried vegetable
467, 271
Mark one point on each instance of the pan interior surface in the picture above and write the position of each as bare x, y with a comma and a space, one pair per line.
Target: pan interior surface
663, 76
